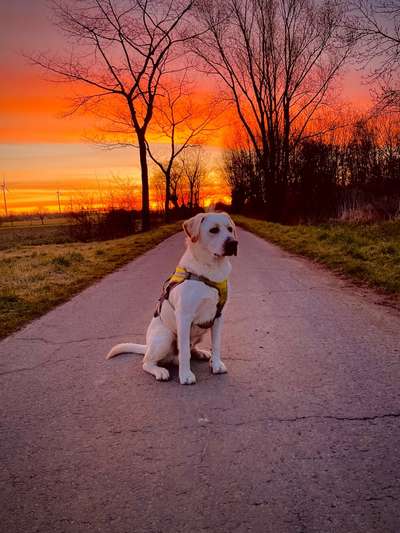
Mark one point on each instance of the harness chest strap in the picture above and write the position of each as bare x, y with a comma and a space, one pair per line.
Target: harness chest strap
180, 275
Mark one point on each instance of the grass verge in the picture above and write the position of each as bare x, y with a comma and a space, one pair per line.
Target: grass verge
366, 253
33, 279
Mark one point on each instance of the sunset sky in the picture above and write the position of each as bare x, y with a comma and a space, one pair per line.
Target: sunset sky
41, 151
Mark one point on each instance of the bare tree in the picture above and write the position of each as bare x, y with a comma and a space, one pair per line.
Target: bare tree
194, 171
277, 59
242, 174
120, 194
42, 213
158, 187
177, 186
376, 26
185, 123
121, 49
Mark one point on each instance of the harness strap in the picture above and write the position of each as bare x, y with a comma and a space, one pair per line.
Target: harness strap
179, 276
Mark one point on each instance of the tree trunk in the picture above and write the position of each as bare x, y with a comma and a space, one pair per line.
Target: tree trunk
285, 172
145, 183
191, 197
274, 190
167, 195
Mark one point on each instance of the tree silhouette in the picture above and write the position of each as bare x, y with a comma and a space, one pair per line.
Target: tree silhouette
120, 51
184, 122
277, 59
375, 24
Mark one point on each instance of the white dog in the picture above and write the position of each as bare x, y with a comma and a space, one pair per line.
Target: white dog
192, 301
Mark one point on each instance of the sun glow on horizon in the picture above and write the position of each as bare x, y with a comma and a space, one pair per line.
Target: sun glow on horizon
42, 151
37, 175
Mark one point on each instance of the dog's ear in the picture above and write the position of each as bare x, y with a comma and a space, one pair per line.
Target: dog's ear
192, 227
233, 225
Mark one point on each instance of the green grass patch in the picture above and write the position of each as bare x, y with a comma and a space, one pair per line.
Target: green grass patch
34, 279
366, 253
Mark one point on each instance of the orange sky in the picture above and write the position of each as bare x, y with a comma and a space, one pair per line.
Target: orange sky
41, 152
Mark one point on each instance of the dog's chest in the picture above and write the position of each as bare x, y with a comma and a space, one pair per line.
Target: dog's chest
206, 311
196, 300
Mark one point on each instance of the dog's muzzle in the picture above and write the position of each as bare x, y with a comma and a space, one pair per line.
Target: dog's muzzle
230, 247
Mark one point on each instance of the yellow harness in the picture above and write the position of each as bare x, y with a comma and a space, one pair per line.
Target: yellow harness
179, 276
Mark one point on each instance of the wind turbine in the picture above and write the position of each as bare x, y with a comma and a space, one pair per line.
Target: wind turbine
59, 203
5, 190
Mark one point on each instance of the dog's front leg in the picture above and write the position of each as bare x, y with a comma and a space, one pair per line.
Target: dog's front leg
183, 323
216, 365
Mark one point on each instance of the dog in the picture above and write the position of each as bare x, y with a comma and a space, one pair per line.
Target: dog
191, 302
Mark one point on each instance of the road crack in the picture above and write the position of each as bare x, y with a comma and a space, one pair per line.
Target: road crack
77, 341
339, 418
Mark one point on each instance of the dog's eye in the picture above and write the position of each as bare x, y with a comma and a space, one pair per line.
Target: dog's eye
214, 230
230, 229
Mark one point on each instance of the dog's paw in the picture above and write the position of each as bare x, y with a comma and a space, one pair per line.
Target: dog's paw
200, 354
218, 368
188, 378
161, 374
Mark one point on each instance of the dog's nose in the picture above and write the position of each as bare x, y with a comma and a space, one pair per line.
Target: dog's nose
230, 247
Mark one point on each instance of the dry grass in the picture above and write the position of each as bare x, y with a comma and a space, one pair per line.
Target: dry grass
33, 279
20, 235
366, 253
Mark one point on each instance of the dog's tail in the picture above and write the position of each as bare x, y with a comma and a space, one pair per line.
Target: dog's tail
127, 347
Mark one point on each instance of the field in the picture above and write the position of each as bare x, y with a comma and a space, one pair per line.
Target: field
36, 277
23, 232
366, 253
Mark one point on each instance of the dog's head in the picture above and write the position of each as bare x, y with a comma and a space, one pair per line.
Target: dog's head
214, 232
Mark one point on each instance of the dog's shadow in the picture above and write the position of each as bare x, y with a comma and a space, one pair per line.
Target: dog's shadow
201, 368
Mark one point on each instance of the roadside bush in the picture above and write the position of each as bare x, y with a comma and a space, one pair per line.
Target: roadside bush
90, 225
84, 223
116, 223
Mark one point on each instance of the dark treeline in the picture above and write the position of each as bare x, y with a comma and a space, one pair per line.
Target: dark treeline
355, 177
274, 63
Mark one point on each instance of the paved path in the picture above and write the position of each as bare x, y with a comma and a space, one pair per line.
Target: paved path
301, 436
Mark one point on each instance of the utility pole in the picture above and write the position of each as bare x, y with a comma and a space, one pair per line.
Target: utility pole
59, 204
4, 187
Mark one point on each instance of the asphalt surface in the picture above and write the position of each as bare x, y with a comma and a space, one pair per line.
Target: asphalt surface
302, 435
